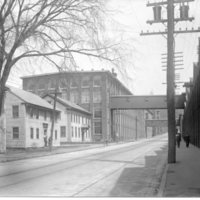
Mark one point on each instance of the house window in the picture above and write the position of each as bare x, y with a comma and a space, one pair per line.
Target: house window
15, 110
32, 133
79, 132
45, 115
147, 116
97, 127
71, 117
31, 112
56, 134
75, 131
72, 131
15, 132
37, 133
85, 96
62, 131
97, 96
37, 113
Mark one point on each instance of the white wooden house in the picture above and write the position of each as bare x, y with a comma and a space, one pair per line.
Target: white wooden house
28, 120
75, 122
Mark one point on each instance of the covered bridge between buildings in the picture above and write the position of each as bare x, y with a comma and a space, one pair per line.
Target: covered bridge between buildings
155, 102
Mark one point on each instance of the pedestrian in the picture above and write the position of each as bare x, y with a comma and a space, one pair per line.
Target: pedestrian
178, 139
45, 140
187, 140
50, 141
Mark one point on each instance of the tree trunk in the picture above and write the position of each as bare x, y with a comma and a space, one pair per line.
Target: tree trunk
2, 122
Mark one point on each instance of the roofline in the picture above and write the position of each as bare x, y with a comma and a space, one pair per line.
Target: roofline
58, 99
25, 102
97, 71
53, 73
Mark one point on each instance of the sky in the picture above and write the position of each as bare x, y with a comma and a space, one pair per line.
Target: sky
144, 65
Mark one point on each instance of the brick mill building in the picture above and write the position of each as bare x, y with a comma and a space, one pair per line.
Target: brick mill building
92, 90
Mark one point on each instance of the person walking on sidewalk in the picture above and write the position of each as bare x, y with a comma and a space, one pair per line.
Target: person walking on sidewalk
187, 140
178, 139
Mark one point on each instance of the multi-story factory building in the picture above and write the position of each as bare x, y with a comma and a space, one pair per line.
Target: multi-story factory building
92, 90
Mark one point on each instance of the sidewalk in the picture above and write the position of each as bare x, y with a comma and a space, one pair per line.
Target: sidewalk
183, 177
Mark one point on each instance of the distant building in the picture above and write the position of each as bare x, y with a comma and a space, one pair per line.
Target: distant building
75, 123
92, 90
28, 120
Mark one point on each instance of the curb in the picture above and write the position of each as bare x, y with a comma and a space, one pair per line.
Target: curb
163, 182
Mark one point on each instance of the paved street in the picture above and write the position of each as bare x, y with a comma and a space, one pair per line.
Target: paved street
129, 169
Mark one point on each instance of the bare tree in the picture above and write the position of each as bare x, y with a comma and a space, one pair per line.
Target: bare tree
52, 29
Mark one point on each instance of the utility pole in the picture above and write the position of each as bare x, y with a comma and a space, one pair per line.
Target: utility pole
53, 117
170, 83
184, 8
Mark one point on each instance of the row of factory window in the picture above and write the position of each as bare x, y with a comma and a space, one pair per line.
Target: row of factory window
85, 83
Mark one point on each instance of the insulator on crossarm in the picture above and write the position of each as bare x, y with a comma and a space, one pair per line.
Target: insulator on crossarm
157, 13
184, 11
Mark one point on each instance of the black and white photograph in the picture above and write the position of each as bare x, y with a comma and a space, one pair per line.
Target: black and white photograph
99, 99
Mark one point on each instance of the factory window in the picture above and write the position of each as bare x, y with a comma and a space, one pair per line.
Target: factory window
74, 96
74, 83
52, 85
85, 96
41, 86
63, 83
97, 81
97, 97
97, 113
31, 87
85, 82
15, 132
98, 127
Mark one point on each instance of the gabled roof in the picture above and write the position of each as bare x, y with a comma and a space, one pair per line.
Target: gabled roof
69, 104
30, 98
